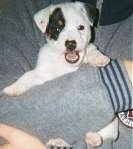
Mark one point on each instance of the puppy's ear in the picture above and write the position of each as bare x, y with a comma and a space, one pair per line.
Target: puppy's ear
88, 9
93, 14
41, 18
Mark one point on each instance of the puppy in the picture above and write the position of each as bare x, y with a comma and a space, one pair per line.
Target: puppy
68, 45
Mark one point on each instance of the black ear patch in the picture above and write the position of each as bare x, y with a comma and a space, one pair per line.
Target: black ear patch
56, 24
93, 14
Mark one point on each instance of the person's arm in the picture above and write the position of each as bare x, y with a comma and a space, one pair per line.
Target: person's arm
17, 139
129, 67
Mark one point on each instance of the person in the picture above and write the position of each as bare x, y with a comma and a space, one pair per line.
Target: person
48, 119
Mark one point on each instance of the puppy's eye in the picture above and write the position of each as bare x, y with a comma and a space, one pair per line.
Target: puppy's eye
58, 29
81, 27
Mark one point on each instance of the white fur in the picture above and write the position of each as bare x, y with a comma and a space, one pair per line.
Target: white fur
110, 131
51, 62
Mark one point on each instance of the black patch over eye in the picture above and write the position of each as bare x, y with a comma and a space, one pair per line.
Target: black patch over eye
81, 27
56, 24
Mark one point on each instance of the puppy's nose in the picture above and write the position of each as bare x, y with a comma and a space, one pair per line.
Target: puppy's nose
70, 45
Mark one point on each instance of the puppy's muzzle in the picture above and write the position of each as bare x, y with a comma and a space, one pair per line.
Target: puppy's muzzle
72, 56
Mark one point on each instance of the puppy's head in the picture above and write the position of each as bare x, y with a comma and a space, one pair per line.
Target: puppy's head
67, 27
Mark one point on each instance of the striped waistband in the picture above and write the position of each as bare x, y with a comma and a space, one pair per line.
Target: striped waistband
60, 147
119, 90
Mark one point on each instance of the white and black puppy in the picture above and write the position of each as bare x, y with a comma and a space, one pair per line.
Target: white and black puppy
67, 27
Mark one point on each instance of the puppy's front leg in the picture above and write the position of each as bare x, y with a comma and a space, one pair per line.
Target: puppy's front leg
95, 57
24, 83
110, 131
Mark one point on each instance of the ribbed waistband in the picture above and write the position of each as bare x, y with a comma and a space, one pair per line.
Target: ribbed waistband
60, 147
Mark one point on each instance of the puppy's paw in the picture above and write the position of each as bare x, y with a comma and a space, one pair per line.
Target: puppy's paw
57, 142
93, 139
101, 61
15, 89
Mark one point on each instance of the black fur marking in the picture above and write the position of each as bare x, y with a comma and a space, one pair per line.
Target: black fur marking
93, 14
56, 24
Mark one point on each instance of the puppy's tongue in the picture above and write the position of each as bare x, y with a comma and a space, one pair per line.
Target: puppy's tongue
72, 56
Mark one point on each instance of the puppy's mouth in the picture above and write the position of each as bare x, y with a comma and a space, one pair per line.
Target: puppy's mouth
72, 56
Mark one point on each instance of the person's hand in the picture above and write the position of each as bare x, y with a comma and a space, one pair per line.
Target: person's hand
17, 139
